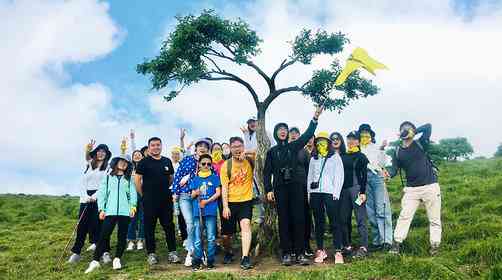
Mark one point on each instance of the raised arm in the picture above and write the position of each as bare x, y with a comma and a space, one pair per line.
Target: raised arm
426, 131
88, 149
309, 133
132, 136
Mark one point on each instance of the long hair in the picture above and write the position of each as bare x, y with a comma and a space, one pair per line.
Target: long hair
343, 149
127, 172
315, 153
94, 164
216, 144
135, 164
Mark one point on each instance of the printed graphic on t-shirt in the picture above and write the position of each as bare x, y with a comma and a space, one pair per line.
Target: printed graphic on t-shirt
240, 177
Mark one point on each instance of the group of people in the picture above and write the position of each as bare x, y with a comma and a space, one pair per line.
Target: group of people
212, 189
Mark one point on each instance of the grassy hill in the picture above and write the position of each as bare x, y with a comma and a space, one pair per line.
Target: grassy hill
34, 229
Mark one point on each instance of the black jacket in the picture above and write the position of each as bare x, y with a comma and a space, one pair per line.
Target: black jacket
302, 167
284, 155
355, 165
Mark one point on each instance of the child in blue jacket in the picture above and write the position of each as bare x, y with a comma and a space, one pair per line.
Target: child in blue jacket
116, 204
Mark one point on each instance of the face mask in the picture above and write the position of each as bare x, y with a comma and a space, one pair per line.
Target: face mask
353, 149
217, 155
365, 139
322, 147
204, 174
407, 134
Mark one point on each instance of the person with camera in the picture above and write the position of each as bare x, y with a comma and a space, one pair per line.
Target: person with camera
289, 196
325, 181
421, 184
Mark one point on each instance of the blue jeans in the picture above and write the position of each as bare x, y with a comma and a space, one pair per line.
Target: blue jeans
210, 227
185, 201
378, 208
137, 223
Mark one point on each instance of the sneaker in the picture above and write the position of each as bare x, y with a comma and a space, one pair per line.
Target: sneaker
347, 252
246, 263
116, 264
107, 258
228, 258
188, 260
309, 253
92, 266
361, 253
286, 260
130, 246
301, 259
196, 265
152, 259
396, 248
92, 247
185, 244
74, 258
320, 256
434, 250
339, 258
210, 266
386, 247
140, 245
172, 257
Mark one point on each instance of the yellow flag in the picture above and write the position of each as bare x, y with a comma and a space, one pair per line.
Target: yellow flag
359, 59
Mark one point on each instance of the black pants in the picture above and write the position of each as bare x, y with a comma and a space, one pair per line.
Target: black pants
183, 227
323, 204
347, 205
164, 213
89, 225
291, 212
308, 221
106, 232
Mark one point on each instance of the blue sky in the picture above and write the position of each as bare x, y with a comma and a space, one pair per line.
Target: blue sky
74, 76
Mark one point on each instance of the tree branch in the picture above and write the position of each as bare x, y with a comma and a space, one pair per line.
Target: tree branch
213, 62
235, 78
283, 66
273, 95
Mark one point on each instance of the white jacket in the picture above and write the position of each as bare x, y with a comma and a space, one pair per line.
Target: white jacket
332, 176
376, 157
91, 180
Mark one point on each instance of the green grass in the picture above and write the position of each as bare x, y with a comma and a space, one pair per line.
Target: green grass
34, 230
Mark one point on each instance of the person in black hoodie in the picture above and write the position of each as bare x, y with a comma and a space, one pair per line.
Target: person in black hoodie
353, 195
280, 162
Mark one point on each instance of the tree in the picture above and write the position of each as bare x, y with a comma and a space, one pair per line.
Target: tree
200, 46
456, 148
498, 153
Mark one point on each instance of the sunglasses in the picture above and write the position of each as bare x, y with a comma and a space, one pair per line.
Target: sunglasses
205, 164
335, 139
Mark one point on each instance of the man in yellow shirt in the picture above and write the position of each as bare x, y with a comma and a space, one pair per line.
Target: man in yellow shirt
237, 181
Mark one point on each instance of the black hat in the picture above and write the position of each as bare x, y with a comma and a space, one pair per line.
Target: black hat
353, 134
101, 147
366, 127
294, 129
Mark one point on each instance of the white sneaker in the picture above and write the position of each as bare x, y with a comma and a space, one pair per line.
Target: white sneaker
172, 257
116, 264
130, 246
92, 266
91, 248
107, 258
139, 245
74, 258
152, 259
185, 244
188, 260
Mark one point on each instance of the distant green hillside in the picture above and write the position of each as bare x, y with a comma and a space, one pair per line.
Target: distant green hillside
34, 229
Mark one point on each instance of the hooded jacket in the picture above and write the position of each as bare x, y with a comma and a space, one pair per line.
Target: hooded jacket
117, 196
284, 155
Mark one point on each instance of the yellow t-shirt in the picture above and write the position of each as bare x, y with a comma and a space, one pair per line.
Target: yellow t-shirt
240, 188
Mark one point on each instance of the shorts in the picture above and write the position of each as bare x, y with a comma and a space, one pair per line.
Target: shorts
238, 211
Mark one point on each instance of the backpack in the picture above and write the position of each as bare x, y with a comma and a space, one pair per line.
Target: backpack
435, 169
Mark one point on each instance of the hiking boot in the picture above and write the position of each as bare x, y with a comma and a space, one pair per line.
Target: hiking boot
228, 258
339, 258
246, 263
92, 247
320, 256
107, 258
172, 257
309, 253
347, 252
210, 265
361, 253
92, 266
140, 245
188, 260
286, 260
130, 246
301, 259
395, 249
116, 264
74, 258
152, 259
434, 250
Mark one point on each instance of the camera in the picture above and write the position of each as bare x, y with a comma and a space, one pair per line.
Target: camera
286, 173
314, 185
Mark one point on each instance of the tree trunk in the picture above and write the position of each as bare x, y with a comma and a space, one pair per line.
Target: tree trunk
267, 235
